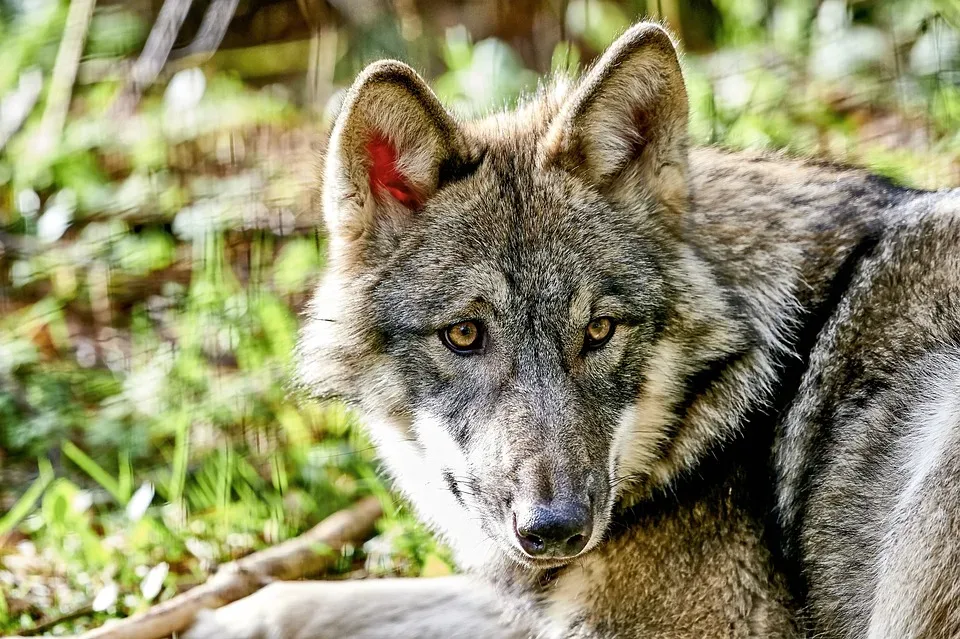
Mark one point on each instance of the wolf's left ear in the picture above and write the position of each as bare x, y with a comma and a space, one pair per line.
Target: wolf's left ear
391, 146
625, 126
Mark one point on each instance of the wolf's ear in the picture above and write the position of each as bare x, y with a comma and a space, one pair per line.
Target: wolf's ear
625, 126
391, 145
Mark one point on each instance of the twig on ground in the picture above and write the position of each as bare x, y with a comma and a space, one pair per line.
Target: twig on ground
309, 554
50, 624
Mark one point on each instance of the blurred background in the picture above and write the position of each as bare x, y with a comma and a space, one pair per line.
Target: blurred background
159, 235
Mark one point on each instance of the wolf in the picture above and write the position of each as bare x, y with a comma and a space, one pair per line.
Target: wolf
641, 388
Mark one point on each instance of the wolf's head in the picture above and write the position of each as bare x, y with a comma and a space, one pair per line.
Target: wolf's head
508, 301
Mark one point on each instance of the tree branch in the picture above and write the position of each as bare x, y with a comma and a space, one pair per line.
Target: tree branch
211, 32
154, 55
309, 554
49, 624
17, 106
65, 72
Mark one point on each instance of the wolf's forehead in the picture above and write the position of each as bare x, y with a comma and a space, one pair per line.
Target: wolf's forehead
525, 223
511, 199
522, 284
509, 272
521, 232
517, 239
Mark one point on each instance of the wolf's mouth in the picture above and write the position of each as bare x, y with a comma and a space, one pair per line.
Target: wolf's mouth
548, 563
536, 563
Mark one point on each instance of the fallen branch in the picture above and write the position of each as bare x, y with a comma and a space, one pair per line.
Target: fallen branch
309, 554
49, 624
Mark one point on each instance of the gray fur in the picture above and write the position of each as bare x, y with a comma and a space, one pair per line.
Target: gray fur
869, 457
769, 442
439, 608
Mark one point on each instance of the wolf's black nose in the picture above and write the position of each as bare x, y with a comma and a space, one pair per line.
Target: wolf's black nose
557, 530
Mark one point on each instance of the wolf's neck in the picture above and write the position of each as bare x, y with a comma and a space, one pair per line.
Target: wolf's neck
768, 243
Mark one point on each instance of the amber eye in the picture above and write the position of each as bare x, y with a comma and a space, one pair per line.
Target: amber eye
599, 331
464, 338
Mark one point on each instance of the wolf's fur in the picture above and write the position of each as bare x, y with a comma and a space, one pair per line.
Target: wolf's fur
788, 342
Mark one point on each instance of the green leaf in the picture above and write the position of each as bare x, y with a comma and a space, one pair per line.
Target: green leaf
29, 498
95, 471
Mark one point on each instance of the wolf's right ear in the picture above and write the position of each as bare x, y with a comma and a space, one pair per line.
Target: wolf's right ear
391, 145
625, 126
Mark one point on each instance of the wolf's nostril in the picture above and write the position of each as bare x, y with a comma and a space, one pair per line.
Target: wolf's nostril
576, 543
532, 544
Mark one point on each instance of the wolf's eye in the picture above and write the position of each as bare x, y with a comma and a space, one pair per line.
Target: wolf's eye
599, 331
465, 338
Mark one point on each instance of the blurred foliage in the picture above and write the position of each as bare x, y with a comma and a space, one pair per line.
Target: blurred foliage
152, 267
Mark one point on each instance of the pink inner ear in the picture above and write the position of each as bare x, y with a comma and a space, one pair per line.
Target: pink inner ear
385, 176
